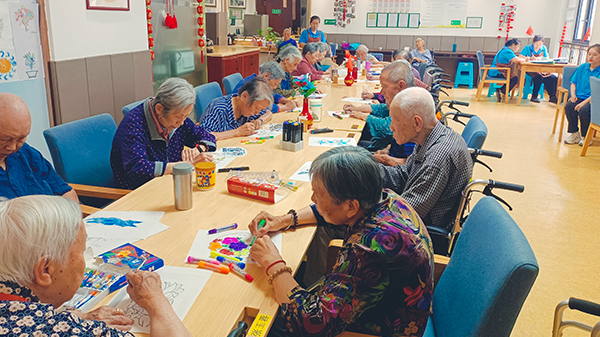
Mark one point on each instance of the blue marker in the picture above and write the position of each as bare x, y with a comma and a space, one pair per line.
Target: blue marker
221, 259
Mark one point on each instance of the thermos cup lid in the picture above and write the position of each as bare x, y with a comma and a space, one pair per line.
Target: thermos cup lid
182, 168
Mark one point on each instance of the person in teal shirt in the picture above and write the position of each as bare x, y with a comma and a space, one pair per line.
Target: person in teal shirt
537, 50
578, 106
504, 59
312, 34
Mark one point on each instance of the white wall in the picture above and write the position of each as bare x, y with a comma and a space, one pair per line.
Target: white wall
542, 15
76, 32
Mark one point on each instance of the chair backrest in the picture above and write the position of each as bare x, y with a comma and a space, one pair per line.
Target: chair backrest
205, 93
229, 82
568, 72
81, 150
378, 56
480, 63
475, 133
131, 106
334, 47
595, 104
488, 277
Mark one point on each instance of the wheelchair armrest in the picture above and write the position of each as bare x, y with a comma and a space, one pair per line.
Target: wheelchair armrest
584, 306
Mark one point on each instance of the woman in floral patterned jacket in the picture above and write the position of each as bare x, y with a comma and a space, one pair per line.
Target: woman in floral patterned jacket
42, 241
382, 281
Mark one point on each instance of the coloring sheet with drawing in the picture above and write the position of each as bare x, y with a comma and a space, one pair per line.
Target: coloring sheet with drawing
231, 243
302, 173
132, 226
331, 142
224, 156
340, 113
357, 100
181, 286
24, 23
6, 36
268, 131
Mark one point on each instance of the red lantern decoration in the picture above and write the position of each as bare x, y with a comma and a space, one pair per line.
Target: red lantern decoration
200, 31
499, 28
148, 2
152, 55
499, 36
149, 14
200, 10
150, 41
200, 42
150, 28
200, 21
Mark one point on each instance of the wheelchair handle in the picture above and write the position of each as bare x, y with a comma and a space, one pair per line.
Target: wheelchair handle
445, 86
506, 186
480, 152
584, 306
459, 103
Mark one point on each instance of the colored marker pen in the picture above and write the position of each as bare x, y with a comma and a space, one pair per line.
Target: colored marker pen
221, 259
195, 260
214, 254
337, 116
261, 224
240, 272
222, 229
210, 266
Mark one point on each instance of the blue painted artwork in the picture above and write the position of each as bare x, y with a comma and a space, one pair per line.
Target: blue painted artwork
113, 222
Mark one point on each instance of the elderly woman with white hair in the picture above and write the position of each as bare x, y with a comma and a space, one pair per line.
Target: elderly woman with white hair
240, 113
324, 49
310, 55
288, 60
362, 52
382, 280
420, 54
42, 241
287, 41
151, 137
274, 74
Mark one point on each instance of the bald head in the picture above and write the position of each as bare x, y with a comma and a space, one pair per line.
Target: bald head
413, 115
15, 124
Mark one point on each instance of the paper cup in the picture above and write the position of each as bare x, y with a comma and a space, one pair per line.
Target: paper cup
206, 176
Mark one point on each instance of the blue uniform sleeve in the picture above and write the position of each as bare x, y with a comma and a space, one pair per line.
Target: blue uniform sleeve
526, 51
545, 51
304, 36
323, 39
44, 170
275, 108
575, 77
277, 98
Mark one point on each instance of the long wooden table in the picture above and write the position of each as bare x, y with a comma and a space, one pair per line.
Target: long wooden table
228, 299
526, 67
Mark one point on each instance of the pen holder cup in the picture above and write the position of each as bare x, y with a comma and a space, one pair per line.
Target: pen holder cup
289, 146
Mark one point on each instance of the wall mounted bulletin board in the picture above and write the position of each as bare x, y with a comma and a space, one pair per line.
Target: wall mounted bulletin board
393, 20
474, 22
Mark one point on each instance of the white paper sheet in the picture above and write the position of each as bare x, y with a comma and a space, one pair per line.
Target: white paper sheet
331, 142
24, 23
181, 286
201, 246
30, 62
6, 36
357, 100
224, 156
268, 131
302, 173
343, 114
102, 245
131, 225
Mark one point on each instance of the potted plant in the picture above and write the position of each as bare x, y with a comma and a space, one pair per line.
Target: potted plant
30, 62
305, 87
269, 34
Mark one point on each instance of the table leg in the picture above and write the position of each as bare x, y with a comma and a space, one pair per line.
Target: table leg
521, 83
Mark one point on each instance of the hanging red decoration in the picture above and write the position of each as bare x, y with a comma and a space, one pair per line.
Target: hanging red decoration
201, 42
200, 21
148, 2
149, 14
152, 55
150, 41
200, 31
200, 10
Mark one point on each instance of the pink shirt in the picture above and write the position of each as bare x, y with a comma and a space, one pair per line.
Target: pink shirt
305, 67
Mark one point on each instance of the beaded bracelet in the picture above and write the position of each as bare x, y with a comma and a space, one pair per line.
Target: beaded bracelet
279, 272
294, 223
271, 265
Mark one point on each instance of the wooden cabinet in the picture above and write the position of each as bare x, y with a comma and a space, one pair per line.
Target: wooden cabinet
229, 60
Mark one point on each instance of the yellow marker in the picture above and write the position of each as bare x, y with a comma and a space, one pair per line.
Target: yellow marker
260, 326
214, 254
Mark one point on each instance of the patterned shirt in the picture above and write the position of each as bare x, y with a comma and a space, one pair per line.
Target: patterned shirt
276, 97
381, 283
434, 176
219, 116
28, 172
139, 153
426, 56
28, 317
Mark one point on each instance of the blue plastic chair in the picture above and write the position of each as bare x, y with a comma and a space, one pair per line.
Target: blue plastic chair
475, 133
594, 114
489, 276
205, 93
125, 110
378, 56
464, 75
564, 93
229, 82
528, 88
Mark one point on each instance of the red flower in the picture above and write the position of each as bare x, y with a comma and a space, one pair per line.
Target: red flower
413, 296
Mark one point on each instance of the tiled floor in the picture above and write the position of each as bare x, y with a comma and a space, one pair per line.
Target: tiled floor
558, 212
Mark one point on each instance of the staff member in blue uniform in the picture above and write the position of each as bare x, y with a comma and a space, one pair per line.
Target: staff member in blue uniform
504, 59
312, 34
537, 50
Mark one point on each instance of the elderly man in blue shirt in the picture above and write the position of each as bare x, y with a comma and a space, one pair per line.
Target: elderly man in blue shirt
23, 169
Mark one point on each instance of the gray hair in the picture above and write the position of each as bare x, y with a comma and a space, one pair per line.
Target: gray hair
258, 89
33, 227
349, 173
419, 39
272, 68
400, 70
363, 48
323, 46
290, 53
415, 101
310, 48
174, 94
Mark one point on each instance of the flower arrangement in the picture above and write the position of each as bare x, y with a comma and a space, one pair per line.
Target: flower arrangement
304, 85
29, 60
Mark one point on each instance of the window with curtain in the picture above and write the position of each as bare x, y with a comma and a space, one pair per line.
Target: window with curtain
581, 15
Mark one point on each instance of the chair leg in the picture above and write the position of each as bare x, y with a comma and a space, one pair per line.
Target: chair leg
479, 89
555, 120
562, 124
586, 141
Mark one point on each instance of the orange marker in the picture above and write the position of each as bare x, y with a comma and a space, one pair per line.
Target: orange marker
219, 269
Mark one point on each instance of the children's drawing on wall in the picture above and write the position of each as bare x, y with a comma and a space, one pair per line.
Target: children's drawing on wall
8, 66
24, 22
6, 36
29, 60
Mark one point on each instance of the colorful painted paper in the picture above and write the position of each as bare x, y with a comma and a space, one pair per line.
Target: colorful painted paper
30, 62
24, 21
231, 243
302, 173
8, 66
331, 142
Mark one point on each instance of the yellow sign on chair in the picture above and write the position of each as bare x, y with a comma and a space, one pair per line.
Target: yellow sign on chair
260, 326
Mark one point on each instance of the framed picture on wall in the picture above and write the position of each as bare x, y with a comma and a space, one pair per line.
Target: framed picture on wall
210, 3
237, 3
108, 5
